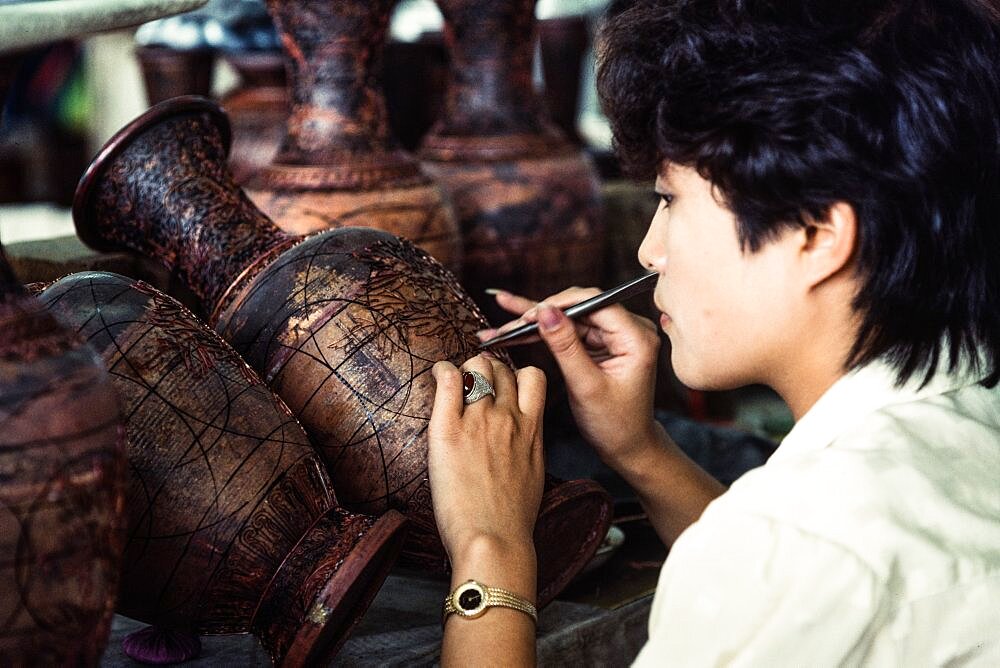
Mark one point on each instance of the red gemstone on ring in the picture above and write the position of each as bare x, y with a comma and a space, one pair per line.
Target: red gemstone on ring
468, 382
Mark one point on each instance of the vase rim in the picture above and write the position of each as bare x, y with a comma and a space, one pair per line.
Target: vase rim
82, 199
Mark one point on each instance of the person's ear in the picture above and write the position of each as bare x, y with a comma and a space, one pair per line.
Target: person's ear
829, 243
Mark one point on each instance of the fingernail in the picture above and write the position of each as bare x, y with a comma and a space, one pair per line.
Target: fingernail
549, 317
495, 291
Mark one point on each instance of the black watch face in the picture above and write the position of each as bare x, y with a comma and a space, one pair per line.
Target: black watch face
470, 599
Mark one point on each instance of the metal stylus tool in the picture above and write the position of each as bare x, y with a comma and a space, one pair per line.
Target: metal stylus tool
624, 291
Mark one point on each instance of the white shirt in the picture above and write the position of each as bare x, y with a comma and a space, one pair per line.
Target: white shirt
871, 537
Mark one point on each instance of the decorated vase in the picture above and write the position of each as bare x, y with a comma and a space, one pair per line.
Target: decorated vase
344, 325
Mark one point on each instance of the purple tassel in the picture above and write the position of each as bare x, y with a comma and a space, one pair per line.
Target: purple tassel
160, 646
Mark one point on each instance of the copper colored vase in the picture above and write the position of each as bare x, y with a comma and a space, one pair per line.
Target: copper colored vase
526, 198
169, 72
339, 164
258, 109
343, 325
563, 44
233, 525
62, 474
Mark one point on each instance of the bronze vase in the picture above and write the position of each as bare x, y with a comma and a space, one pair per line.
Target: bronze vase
258, 109
343, 325
233, 525
563, 44
168, 72
339, 164
527, 200
62, 476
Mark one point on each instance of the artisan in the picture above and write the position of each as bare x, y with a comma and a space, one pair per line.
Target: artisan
829, 226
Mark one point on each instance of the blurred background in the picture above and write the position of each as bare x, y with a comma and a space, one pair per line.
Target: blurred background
68, 98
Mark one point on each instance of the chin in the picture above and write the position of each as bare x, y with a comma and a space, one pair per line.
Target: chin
703, 376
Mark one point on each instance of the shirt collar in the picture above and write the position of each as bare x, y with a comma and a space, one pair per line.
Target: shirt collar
864, 391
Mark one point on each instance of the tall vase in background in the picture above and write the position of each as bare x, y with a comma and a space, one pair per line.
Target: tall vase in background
563, 44
339, 164
258, 109
526, 198
344, 325
169, 72
233, 525
62, 475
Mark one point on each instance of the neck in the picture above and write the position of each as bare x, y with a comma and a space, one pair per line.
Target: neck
816, 358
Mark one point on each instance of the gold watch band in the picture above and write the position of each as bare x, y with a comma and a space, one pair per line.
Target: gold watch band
471, 599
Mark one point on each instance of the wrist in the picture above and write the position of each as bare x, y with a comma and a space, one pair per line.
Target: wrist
630, 449
499, 562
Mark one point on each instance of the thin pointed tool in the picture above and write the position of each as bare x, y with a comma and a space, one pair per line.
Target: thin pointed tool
636, 286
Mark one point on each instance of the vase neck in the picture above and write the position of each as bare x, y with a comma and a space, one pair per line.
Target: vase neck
334, 51
490, 87
168, 195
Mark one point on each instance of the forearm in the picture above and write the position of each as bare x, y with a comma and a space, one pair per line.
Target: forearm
671, 487
501, 636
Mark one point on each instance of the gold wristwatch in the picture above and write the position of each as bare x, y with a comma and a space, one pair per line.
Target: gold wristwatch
470, 599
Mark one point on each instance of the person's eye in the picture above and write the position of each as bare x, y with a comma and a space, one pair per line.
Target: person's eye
666, 198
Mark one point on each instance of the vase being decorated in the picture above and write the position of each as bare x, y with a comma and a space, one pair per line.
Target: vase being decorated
526, 198
339, 164
233, 525
344, 325
62, 476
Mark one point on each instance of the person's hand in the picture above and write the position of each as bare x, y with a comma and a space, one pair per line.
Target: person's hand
485, 460
608, 359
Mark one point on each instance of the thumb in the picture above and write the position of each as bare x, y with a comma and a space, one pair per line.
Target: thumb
560, 336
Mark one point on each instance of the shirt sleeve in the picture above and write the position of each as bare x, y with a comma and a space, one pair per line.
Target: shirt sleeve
742, 590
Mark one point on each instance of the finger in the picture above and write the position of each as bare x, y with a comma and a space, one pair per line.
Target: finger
562, 339
447, 396
571, 296
512, 303
484, 366
486, 334
527, 308
531, 391
504, 383
561, 300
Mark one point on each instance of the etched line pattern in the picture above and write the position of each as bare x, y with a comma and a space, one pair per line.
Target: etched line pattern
389, 311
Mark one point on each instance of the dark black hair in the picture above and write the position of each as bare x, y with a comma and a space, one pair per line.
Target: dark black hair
789, 106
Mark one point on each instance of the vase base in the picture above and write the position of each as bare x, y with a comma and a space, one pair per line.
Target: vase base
305, 624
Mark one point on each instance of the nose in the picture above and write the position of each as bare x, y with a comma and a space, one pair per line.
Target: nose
651, 249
